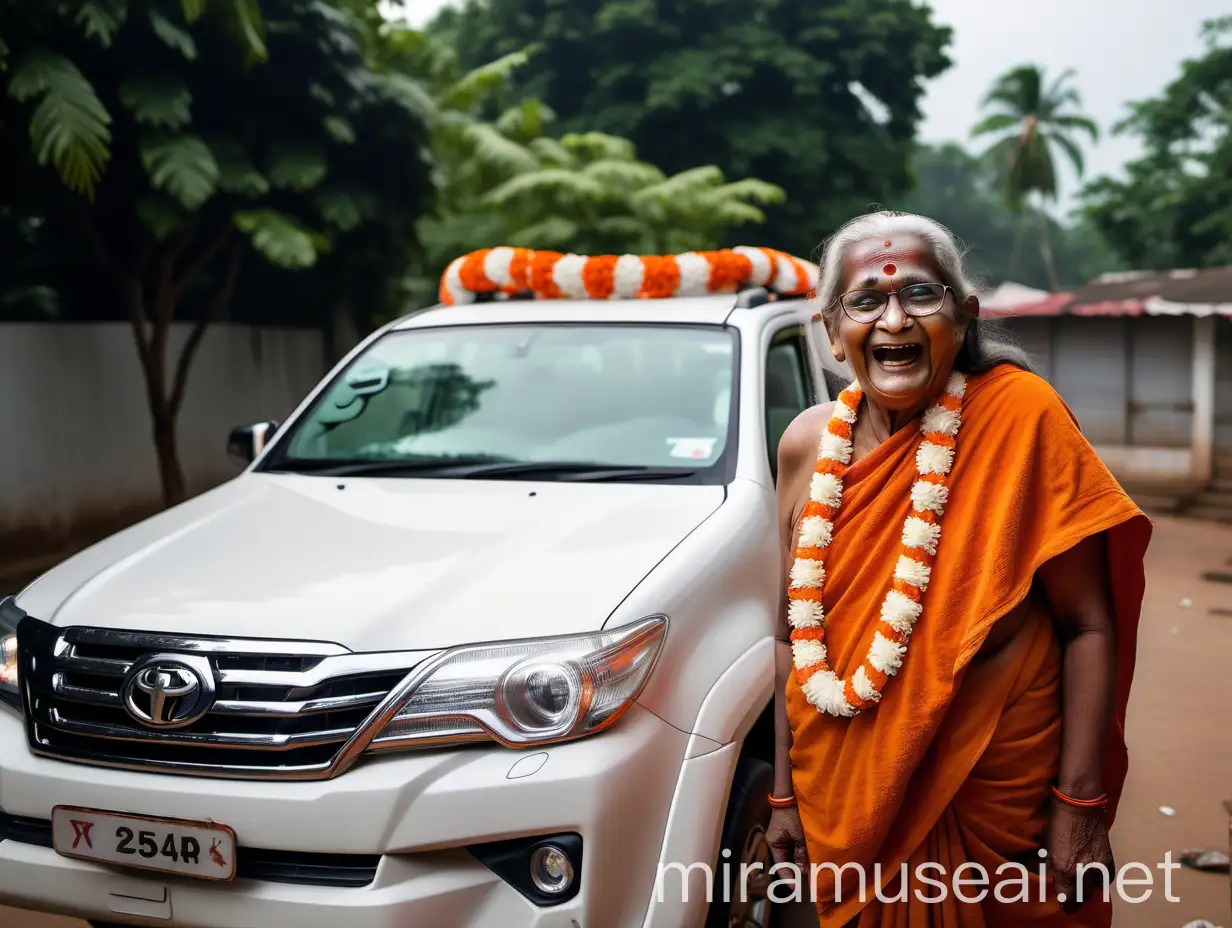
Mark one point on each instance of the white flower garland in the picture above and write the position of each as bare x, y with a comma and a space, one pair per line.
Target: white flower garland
903, 604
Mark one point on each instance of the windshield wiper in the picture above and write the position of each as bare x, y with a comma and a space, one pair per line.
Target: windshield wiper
480, 468
363, 468
568, 471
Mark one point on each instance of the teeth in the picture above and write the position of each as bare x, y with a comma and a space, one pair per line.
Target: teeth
895, 353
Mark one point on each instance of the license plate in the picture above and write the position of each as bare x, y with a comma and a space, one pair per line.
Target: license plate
165, 845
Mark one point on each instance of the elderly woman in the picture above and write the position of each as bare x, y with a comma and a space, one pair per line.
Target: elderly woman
963, 579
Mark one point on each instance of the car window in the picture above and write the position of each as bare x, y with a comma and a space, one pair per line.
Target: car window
788, 387
623, 395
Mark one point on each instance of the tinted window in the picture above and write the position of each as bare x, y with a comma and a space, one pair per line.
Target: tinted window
788, 387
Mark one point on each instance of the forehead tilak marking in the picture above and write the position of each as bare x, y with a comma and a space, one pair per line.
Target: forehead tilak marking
884, 258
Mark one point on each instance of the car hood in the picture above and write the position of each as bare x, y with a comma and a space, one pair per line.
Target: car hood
377, 564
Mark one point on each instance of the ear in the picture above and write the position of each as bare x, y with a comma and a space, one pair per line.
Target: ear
836, 349
972, 307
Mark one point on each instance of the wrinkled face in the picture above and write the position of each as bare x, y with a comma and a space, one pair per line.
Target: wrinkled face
901, 361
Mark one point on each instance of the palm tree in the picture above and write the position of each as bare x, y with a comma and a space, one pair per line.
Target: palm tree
1030, 121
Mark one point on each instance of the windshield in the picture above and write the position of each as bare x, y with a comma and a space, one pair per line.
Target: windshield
587, 399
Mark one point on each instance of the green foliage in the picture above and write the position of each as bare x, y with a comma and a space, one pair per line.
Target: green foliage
280, 238
236, 174
1173, 207
175, 36
344, 209
102, 19
339, 129
157, 100
182, 165
185, 160
296, 168
501, 179
161, 216
770, 89
69, 127
181, 126
961, 191
1030, 121
246, 25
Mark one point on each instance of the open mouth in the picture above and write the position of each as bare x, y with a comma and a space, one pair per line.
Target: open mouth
897, 355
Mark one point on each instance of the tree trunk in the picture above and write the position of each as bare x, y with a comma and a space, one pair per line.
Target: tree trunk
1046, 252
151, 315
170, 473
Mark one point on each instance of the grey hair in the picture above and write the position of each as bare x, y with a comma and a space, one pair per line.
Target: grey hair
984, 345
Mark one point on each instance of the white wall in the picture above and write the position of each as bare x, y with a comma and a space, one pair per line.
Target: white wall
75, 431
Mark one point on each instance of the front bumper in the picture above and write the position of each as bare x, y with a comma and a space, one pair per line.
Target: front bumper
418, 811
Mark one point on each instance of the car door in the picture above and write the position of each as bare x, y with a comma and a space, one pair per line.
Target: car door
789, 388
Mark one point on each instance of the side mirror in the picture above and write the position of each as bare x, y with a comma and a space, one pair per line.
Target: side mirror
247, 441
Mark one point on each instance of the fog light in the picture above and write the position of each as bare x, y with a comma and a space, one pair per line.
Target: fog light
545, 869
551, 870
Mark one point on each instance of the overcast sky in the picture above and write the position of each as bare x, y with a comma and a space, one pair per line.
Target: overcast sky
1122, 50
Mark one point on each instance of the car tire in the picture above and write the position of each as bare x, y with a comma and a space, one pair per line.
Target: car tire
744, 835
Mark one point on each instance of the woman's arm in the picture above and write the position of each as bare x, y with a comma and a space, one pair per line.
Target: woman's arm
1077, 587
795, 457
787, 481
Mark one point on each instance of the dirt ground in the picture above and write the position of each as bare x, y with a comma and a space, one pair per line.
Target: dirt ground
1180, 735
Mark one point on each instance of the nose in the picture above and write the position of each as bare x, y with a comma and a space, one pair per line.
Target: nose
894, 319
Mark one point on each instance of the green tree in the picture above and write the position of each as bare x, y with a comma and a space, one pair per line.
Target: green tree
589, 193
502, 179
1030, 121
962, 191
819, 99
1173, 207
162, 146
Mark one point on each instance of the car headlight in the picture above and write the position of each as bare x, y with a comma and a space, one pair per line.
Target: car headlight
10, 690
526, 692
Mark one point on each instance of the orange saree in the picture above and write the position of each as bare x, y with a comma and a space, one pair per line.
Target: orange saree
954, 765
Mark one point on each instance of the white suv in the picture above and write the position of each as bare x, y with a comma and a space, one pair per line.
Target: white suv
481, 636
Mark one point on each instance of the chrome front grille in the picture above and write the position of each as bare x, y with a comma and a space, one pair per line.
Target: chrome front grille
273, 708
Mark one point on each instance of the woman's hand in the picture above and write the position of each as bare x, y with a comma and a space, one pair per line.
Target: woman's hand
1078, 836
785, 835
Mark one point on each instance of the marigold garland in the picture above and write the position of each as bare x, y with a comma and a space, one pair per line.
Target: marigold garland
552, 275
904, 602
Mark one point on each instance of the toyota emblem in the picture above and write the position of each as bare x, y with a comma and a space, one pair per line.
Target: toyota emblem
168, 690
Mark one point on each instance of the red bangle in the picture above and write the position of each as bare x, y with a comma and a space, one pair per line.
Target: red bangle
1099, 802
784, 803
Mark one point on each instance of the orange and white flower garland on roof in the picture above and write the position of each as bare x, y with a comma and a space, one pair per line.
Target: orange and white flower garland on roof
903, 604
552, 275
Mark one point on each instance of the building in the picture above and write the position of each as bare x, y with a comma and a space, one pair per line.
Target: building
1144, 359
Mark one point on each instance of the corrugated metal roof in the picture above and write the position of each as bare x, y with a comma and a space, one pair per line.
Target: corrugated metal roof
1050, 305
1185, 292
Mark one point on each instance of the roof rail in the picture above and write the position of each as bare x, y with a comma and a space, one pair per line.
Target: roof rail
754, 296
495, 296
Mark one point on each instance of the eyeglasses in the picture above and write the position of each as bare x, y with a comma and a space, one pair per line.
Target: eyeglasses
865, 306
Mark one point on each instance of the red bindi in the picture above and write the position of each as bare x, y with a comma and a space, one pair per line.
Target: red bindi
889, 270
887, 244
